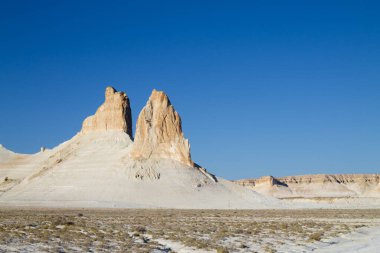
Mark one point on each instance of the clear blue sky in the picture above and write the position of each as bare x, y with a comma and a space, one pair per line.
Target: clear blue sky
263, 87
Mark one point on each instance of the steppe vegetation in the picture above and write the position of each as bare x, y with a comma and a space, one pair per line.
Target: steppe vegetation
145, 230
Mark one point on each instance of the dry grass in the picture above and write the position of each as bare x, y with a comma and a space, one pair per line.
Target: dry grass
142, 230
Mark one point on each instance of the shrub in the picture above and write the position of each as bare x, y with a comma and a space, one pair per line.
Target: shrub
221, 250
316, 236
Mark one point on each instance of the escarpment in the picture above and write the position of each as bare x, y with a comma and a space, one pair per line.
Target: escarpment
313, 179
317, 186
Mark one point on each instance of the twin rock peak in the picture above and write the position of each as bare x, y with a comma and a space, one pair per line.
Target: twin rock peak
158, 130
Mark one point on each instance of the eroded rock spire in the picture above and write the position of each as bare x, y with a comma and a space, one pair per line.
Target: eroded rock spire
159, 132
113, 114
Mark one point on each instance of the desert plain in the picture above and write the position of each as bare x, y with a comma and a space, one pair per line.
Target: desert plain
173, 230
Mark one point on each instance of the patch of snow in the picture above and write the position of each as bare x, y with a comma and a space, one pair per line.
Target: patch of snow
363, 240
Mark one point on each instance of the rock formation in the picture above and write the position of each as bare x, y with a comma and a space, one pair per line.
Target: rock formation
159, 132
267, 180
314, 179
113, 114
310, 186
338, 178
102, 167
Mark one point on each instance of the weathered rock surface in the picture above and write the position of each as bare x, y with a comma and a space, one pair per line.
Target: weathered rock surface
317, 186
159, 132
313, 179
338, 178
267, 180
113, 114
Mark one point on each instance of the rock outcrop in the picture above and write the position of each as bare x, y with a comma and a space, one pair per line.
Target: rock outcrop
317, 186
338, 178
159, 132
313, 179
266, 180
113, 114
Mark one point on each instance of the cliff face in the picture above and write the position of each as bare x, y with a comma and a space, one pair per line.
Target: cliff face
266, 180
159, 132
113, 115
315, 186
313, 179
339, 179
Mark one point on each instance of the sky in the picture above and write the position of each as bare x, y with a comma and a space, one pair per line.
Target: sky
263, 87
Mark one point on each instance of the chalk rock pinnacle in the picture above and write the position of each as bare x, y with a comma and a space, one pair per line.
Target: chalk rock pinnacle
113, 114
159, 132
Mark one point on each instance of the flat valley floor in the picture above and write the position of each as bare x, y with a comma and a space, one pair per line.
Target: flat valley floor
169, 230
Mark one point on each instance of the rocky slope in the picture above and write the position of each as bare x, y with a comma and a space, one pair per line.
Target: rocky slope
102, 167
